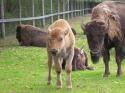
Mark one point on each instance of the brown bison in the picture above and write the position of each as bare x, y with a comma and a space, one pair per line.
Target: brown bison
28, 35
106, 30
60, 46
80, 60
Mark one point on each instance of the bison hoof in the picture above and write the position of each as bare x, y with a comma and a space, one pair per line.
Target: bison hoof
59, 87
69, 87
49, 82
90, 68
106, 74
119, 75
59, 84
69, 84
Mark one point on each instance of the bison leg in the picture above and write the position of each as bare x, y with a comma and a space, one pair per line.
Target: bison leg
106, 58
74, 66
69, 69
25, 42
119, 58
58, 67
82, 66
49, 69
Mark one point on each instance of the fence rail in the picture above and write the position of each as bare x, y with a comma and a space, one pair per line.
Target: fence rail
39, 17
65, 8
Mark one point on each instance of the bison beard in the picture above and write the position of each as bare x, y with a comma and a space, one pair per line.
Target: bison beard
95, 57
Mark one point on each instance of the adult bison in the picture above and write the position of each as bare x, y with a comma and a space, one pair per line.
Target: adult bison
60, 46
28, 35
106, 30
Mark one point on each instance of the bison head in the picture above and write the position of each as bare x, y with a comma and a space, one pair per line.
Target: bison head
95, 32
56, 41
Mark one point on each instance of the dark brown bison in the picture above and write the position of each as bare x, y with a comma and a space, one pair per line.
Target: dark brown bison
80, 60
106, 30
60, 46
28, 35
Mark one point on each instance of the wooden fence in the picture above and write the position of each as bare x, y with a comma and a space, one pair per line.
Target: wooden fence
65, 9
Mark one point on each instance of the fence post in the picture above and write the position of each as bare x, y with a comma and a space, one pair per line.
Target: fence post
51, 11
20, 10
87, 6
71, 5
58, 2
83, 8
75, 7
43, 13
2, 17
80, 5
33, 12
0, 23
75, 2
68, 8
64, 8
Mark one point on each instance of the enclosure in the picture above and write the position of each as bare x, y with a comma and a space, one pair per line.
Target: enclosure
40, 12
24, 69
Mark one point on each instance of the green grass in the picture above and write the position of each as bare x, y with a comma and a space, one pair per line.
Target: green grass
24, 70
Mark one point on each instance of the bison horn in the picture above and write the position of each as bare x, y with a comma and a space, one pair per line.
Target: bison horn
83, 28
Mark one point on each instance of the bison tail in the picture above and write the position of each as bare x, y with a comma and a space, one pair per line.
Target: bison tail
18, 33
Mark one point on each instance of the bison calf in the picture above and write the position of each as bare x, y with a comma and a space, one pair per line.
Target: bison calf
28, 35
80, 60
60, 46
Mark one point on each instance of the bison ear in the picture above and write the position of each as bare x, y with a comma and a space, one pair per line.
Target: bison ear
48, 30
66, 32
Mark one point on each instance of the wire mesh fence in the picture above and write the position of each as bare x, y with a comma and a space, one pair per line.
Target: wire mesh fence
40, 12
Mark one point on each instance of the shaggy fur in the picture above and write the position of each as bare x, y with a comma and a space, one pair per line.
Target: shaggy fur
106, 30
60, 46
80, 60
28, 35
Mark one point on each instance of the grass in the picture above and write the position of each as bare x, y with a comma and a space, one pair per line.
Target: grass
24, 70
